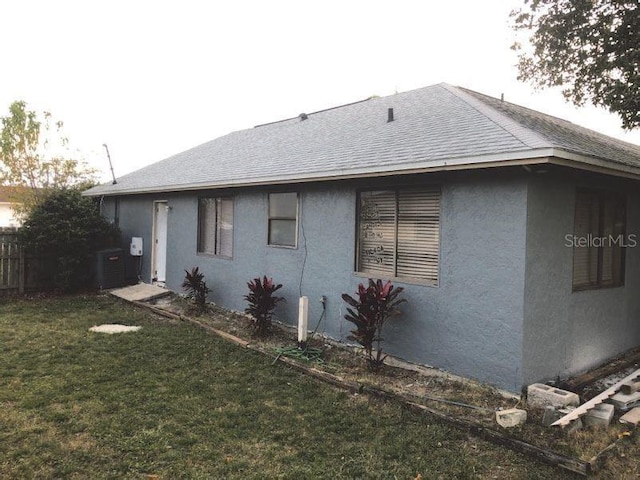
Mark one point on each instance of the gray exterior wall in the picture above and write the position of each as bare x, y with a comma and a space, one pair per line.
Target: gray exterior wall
504, 311
136, 220
568, 332
471, 324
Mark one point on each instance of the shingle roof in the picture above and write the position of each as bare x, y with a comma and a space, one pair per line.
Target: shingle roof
434, 127
563, 134
8, 194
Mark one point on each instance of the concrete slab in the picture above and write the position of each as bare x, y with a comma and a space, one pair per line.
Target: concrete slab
632, 417
140, 292
112, 328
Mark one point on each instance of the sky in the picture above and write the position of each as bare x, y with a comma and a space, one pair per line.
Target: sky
153, 78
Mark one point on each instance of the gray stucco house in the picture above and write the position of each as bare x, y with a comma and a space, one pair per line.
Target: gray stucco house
512, 232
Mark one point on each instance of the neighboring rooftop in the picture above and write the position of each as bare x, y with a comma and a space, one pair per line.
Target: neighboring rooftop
8, 194
436, 127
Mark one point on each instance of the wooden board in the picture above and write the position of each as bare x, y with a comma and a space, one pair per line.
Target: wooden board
585, 407
628, 359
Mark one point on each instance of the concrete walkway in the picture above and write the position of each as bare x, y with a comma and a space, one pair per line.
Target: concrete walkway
140, 292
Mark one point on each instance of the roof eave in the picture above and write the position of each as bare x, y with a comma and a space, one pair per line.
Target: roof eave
579, 161
528, 157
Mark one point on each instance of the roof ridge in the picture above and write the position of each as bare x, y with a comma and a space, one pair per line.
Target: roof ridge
317, 111
559, 122
527, 136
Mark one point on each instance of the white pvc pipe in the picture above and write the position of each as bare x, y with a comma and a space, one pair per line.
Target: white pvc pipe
303, 319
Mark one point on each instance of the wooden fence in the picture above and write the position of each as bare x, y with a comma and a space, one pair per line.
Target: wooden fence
18, 271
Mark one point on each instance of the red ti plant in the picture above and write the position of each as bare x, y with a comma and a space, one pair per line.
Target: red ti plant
196, 288
262, 303
374, 305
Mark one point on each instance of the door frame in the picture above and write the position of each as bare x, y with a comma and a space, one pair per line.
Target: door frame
154, 249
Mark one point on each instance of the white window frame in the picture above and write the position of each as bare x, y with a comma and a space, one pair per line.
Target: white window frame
218, 246
390, 245
271, 218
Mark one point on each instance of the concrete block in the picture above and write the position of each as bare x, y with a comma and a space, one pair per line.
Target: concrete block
632, 417
630, 387
574, 426
625, 402
551, 414
511, 417
540, 395
599, 416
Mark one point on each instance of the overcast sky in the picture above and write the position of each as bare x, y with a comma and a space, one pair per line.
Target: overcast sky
154, 78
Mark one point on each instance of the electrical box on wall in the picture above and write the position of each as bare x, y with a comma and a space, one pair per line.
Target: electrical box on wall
136, 247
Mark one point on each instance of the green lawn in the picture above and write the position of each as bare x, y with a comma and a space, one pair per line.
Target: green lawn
173, 401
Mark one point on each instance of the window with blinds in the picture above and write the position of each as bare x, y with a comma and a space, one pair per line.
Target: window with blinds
399, 233
215, 226
599, 239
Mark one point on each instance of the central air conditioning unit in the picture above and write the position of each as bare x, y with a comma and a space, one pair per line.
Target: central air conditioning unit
110, 268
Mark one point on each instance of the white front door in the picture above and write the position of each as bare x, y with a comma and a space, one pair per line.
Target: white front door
160, 216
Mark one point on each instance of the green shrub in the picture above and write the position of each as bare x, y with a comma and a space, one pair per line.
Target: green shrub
375, 305
64, 231
262, 303
196, 288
